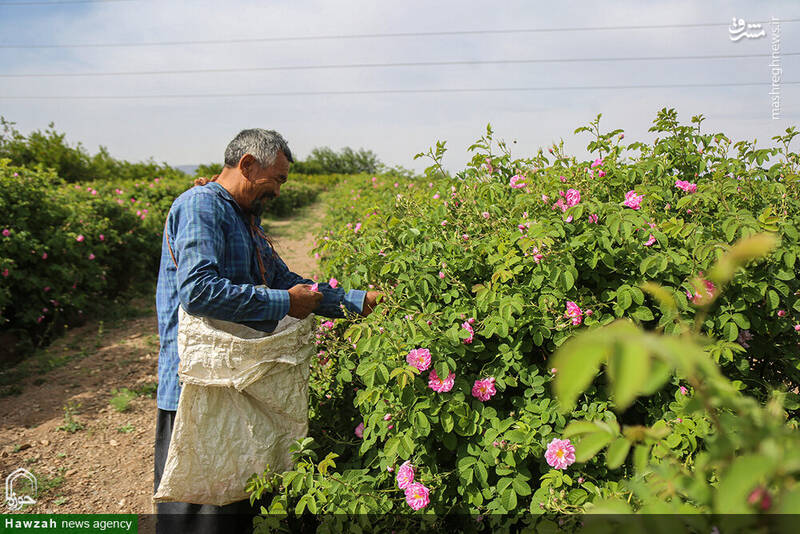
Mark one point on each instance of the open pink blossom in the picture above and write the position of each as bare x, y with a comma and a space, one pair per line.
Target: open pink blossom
650, 241
797, 328
485, 214
483, 390
632, 200
560, 453
517, 182
438, 385
601, 173
700, 299
315, 287
417, 496
91, 256
560, 204
468, 327
573, 197
333, 282
781, 313
359, 431
593, 218
686, 186
419, 358
574, 312
79, 238
405, 475
6, 232
684, 390
597, 162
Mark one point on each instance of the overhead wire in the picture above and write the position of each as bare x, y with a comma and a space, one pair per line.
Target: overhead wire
506, 31
382, 65
385, 91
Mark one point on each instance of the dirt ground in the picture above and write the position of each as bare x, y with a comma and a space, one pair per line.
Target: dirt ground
101, 459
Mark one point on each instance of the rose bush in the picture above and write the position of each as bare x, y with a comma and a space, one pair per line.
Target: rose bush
492, 270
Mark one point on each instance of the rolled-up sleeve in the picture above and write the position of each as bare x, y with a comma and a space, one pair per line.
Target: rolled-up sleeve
199, 247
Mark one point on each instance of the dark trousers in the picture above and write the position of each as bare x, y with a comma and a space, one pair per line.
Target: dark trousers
182, 517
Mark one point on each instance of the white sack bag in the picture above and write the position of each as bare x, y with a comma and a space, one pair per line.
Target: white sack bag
244, 401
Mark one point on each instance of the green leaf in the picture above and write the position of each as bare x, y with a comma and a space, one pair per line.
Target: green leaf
521, 487
643, 313
624, 299
741, 321
442, 369
730, 331
447, 422
578, 361
591, 445
617, 452
509, 500
577, 428
567, 280
421, 424
744, 474
628, 369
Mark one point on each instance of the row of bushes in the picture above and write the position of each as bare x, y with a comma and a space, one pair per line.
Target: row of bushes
67, 248
490, 272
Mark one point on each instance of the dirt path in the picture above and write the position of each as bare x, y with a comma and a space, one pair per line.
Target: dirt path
101, 460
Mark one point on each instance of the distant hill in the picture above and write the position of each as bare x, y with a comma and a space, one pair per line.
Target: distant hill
188, 169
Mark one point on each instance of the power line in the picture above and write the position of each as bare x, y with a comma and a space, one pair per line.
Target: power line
383, 65
392, 91
57, 2
385, 35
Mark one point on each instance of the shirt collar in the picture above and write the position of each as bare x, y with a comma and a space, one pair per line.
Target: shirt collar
225, 194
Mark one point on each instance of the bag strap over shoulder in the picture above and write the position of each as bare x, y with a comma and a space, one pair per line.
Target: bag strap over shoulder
254, 230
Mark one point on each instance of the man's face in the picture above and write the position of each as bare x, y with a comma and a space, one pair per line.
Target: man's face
266, 183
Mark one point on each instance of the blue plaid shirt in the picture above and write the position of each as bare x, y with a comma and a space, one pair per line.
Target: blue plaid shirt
217, 275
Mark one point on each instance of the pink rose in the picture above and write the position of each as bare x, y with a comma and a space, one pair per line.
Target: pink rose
560, 453
632, 200
419, 358
484, 389
438, 385
574, 312
417, 496
359, 431
517, 182
405, 475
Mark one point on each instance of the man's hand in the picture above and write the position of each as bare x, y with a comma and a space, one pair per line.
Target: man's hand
303, 301
370, 301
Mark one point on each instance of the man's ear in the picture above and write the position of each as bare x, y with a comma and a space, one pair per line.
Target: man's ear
246, 165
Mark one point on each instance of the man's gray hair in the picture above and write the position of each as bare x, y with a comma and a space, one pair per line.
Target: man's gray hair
259, 143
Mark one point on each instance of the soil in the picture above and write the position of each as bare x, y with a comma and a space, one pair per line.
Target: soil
103, 462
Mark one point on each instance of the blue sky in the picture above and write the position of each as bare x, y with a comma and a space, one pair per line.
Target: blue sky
396, 126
